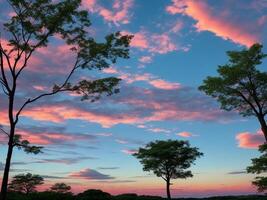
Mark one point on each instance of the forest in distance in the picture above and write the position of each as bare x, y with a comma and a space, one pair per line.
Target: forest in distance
79, 122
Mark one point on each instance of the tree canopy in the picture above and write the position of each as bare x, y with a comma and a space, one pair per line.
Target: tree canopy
241, 86
25, 183
259, 165
60, 188
168, 159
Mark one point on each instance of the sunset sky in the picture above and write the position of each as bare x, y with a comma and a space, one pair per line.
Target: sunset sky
177, 44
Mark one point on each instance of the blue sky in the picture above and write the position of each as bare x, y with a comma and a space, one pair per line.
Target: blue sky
177, 44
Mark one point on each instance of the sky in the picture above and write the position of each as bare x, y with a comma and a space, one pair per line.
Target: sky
177, 44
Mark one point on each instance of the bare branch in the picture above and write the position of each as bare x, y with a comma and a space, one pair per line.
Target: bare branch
3, 131
59, 89
4, 79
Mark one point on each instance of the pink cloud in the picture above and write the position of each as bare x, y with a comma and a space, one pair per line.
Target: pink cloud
162, 44
4, 118
207, 20
148, 110
185, 134
139, 40
159, 130
39, 87
129, 151
177, 27
119, 14
59, 114
152, 42
162, 84
145, 59
89, 4
47, 138
146, 77
249, 140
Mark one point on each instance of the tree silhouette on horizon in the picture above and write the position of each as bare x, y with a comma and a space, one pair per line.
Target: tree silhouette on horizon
168, 159
25, 183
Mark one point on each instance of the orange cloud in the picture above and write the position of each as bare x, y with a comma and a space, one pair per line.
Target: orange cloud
207, 20
249, 140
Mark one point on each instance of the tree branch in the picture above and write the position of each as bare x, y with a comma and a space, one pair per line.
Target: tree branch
59, 89
246, 100
4, 79
1, 129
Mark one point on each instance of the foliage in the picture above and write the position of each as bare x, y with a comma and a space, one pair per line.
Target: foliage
94, 195
259, 165
25, 183
240, 86
26, 146
168, 159
32, 27
60, 188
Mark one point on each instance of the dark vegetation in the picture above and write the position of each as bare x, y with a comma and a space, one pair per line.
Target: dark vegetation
100, 195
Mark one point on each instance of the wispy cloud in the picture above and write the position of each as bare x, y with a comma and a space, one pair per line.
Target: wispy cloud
118, 14
145, 77
185, 134
153, 42
216, 22
129, 151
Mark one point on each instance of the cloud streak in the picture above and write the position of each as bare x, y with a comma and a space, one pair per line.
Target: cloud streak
118, 14
209, 20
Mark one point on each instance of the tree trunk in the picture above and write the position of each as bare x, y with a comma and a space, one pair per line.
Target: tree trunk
7, 168
263, 126
10, 144
168, 189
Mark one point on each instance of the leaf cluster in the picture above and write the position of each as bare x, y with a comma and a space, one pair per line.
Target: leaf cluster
240, 85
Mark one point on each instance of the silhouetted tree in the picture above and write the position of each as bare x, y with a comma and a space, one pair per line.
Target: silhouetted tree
60, 188
94, 195
25, 183
259, 165
240, 86
168, 159
31, 26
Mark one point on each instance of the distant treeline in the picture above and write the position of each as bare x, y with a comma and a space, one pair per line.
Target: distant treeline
100, 195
